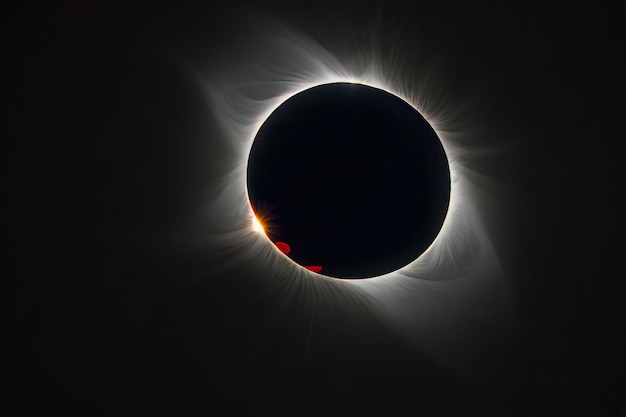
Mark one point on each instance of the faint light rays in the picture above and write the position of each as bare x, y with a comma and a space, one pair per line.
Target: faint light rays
446, 295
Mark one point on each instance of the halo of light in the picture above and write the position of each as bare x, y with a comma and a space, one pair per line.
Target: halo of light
456, 286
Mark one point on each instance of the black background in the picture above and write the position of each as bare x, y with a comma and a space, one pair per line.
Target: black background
102, 317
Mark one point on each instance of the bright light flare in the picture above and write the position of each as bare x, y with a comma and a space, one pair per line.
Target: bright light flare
257, 226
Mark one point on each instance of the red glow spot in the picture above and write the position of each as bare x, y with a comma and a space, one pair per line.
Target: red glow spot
314, 268
283, 247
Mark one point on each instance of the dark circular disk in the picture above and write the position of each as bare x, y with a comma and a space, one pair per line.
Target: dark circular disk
349, 178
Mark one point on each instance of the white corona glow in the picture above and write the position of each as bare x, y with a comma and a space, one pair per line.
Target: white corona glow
439, 300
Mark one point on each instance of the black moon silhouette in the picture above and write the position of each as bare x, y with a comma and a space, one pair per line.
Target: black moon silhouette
349, 180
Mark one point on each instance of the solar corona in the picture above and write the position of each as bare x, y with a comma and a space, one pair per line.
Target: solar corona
352, 178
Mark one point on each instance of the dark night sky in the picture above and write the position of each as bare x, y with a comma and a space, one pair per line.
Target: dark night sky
115, 309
